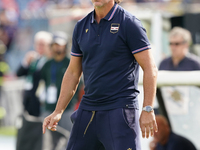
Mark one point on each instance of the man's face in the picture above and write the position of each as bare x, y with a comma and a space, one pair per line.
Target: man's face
58, 49
100, 3
178, 46
41, 47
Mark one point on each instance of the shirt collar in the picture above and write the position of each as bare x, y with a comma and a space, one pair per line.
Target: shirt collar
92, 19
109, 16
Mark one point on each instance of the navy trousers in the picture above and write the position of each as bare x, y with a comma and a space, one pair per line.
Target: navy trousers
116, 129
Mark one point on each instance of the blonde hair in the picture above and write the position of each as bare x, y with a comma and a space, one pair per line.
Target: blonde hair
118, 1
185, 34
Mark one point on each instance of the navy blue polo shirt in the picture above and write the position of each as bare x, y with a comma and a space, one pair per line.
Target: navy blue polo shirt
110, 70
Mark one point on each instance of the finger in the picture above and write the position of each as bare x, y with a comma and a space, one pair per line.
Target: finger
151, 129
55, 123
143, 131
43, 128
45, 124
53, 129
155, 126
147, 131
52, 122
54, 126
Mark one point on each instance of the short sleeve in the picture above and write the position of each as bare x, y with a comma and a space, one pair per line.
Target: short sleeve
75, 51
136, 36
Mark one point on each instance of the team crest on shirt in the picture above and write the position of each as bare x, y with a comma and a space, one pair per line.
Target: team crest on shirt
114, 28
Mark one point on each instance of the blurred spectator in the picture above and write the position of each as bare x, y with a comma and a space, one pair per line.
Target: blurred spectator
9, 5
8, 26
37, 8
8, 21
4, 35
52, 74
165, 139
37, 5
30, 68
180, 59
4, 68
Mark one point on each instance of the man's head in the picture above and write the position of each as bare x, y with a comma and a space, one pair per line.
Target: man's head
179, 40
59, 44
163, 130
42, 42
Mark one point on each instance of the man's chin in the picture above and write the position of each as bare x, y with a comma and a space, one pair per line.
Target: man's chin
59, 53
97, 4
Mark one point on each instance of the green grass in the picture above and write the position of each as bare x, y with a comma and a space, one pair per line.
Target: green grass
8, 131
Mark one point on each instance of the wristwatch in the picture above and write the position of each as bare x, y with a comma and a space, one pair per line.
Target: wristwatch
147, 108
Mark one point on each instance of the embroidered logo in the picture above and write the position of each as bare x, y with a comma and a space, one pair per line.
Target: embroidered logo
86, 30
129, 149
114, 28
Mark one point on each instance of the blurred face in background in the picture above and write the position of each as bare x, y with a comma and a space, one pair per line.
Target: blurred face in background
178, 46
58, 50
42, 47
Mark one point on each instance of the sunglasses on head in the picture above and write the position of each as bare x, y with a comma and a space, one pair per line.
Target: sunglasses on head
176, 43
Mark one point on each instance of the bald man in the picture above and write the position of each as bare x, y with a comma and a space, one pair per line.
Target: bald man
165, 139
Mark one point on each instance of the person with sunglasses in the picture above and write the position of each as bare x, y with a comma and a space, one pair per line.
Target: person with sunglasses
176, 97
180, 59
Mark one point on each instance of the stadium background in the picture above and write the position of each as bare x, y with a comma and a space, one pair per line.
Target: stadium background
157, 16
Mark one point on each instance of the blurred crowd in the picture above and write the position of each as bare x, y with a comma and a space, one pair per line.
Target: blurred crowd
11, 12
43, 69
16, 34
35, 52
